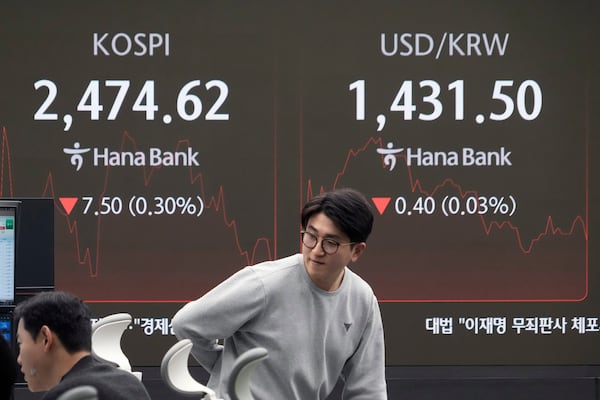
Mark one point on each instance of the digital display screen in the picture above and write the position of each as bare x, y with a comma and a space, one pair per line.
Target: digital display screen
6, 325
180, 140
7, 253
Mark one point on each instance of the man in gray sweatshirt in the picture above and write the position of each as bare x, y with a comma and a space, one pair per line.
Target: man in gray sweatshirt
319, 321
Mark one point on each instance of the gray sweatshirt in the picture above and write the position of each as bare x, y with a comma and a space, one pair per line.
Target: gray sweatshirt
313, 337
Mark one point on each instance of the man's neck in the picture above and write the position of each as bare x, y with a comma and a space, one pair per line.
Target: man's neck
65, 362
330, 283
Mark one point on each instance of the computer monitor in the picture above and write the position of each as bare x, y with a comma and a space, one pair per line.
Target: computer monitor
6, 324
34, 267
8, 250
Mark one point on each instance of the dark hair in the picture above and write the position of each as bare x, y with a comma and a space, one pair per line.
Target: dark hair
347, 208
8, 369
65, 314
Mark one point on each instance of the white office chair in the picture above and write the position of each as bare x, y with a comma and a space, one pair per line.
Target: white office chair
84, 392
106, 340
174, 370
176, 373
241, 373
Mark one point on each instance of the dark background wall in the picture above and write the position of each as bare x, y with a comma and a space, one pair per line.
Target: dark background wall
497, 302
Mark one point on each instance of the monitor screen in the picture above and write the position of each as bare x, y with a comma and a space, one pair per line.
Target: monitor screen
8, 214
179, 142
6, 324
34, 247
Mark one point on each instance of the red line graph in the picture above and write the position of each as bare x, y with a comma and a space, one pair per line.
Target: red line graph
417, 187
216, 202
5, 165
489, 227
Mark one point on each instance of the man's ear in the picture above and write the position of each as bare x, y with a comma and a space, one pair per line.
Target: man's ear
46, 336
357, 250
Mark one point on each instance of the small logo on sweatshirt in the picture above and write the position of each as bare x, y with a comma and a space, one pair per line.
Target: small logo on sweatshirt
347, 325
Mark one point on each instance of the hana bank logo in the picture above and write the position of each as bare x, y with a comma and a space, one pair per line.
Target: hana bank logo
154, 157
76, 154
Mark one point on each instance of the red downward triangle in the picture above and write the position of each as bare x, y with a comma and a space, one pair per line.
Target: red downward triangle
68, 203
381, 203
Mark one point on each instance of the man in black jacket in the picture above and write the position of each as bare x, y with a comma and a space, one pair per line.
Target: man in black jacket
55, 341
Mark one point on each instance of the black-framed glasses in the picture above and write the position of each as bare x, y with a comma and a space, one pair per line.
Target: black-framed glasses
329, 246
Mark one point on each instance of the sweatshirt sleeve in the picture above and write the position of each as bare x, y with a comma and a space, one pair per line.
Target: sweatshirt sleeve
219, 314
364, 372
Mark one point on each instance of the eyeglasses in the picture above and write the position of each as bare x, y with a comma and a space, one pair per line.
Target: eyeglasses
329, 246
